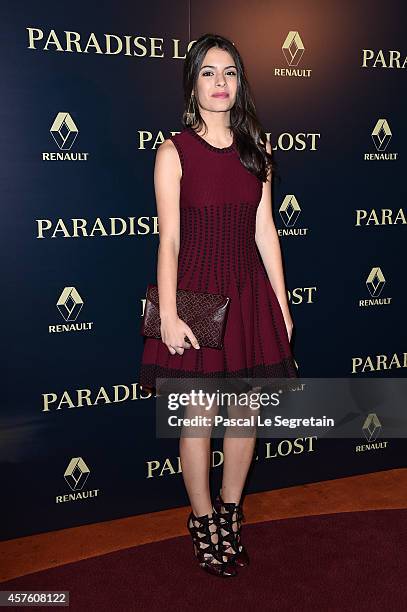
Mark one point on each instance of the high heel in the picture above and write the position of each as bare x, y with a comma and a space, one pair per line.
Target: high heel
205, 549
229, 515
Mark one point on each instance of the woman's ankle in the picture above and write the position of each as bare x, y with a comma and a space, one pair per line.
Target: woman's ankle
201, 511
229, 496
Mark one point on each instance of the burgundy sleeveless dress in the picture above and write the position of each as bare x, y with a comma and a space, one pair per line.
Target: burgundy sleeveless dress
218, 202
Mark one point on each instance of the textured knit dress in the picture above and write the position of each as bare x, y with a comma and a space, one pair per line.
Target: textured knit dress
218, 254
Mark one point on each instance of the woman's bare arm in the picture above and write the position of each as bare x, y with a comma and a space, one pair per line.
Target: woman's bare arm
167, 176
268, 243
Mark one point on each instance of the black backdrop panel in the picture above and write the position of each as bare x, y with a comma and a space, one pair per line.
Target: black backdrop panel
88, 95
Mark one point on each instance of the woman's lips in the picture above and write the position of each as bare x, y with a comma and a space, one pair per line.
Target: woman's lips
220, 95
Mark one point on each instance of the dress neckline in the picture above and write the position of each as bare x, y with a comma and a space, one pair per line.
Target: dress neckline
209, 146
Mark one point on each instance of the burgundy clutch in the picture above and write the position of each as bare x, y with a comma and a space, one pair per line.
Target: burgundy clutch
205, 313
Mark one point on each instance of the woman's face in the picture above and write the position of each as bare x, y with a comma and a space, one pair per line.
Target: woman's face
216, 85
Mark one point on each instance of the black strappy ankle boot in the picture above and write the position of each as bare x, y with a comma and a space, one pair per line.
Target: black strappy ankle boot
229, 518
206, 550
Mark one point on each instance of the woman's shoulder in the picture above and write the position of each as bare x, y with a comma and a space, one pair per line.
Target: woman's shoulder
172, 152
176, 137
174, 142
176, 145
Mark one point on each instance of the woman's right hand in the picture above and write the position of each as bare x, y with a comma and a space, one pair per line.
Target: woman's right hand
173, 330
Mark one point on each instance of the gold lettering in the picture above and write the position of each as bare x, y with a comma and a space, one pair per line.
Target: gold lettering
84, 395
48, 398
138, 45
167, 467
109, 38
66, 400
53, 40
156, 44
152, 466
102, 394
75, 39
34, 34
61, 227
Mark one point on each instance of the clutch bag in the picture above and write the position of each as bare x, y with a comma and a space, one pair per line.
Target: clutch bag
205, 313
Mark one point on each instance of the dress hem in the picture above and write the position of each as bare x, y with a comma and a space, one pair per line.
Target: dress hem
283, 369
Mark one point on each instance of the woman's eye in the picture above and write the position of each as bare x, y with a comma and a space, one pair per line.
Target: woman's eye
230, 72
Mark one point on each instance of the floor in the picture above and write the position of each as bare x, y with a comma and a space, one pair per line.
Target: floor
379, 490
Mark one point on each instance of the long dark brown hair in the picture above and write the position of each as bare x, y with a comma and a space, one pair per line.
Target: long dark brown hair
250, 137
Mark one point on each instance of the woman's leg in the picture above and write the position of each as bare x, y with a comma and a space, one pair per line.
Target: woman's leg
194, 448
195, 457
238, 447
238, 455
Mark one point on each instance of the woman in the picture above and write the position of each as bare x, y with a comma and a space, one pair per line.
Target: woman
213, 193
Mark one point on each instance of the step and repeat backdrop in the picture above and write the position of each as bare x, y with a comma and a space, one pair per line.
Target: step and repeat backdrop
88, 95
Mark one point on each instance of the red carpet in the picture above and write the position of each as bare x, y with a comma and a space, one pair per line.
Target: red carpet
348, 561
